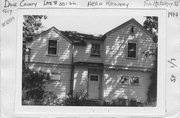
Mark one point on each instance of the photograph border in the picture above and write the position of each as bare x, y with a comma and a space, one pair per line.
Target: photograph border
70, 110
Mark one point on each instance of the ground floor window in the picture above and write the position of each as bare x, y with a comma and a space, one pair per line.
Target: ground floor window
129, 80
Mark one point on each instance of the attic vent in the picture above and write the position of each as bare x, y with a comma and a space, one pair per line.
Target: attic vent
132, 30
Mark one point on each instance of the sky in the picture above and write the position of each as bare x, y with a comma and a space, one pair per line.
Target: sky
96, 22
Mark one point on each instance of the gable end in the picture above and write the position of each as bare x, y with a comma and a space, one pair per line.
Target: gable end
126, 23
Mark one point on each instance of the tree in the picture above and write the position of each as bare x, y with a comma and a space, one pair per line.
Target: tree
31, 26
33, 85
151, 24
32, 81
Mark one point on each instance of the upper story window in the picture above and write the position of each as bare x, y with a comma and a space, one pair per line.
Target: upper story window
95, 49
132, 30
52, 47
132, 50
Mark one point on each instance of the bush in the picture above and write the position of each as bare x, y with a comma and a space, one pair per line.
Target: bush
77, 100
33, 86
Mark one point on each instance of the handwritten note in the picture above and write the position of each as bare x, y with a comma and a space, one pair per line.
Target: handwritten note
108, 4
173, 65
161, 3
8, 21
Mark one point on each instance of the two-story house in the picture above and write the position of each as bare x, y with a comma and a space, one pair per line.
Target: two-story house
103, 68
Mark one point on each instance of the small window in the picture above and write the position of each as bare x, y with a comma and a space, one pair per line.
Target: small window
132, 30
94, 78
124, 80
52, 47
132, 50
135, 81
95, 50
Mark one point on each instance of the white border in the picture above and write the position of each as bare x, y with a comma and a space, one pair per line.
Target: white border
97, 111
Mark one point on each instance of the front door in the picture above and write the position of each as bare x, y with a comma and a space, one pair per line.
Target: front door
93, 89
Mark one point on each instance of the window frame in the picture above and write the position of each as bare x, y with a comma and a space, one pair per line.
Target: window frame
132, 30
94, 75
129, 81
134, 84
56, 47
96, 54
127, 50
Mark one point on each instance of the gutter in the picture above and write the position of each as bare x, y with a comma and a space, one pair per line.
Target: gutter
72, 71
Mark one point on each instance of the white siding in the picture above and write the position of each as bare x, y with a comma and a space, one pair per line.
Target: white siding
113, 89
61, 87
80, 80
116, 47
83, 53
39, 48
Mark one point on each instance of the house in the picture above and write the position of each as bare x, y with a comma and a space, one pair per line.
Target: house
102, 68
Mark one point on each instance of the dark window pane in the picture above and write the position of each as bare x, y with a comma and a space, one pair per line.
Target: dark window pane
124, 80
132, 50
135, 80
94, 78
52, 43
132, 30
95, 49
52, 47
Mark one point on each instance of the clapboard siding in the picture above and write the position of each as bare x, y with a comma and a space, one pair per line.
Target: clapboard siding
39, 49
83, 53
113, 89
116, 47
60, 87
80, 80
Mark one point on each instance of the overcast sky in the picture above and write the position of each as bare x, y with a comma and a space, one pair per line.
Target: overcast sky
95, 23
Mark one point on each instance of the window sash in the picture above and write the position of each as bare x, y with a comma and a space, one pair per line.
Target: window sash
129, 80
95, 49
132, 50
52, 47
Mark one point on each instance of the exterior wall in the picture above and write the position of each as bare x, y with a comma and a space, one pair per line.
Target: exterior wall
81, 75
116, 47
39, 49
113, 89
80, 80
61, 86
83, 53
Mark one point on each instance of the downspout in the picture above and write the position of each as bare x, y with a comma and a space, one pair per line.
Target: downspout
29, 54
72, 71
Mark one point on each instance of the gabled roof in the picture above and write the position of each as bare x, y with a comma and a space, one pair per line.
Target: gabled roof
56, 30
72, 36
76, 36
126, 23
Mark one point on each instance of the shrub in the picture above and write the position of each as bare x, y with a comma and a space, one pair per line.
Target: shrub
33, 86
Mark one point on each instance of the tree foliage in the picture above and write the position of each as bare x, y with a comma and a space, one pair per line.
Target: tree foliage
32, 81
33, 84
151, 24
31, 26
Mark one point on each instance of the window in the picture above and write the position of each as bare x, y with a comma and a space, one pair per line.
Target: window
52, 47
124, 80
134, 80
132, 50
132, 30
95, 50
129, 80
93, 78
